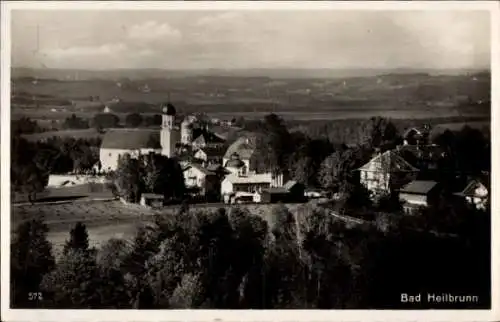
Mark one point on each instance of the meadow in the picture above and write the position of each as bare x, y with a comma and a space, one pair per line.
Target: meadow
106, 219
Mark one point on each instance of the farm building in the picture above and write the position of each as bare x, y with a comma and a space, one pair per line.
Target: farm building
234, 183
419, 194
386, 172
290, 192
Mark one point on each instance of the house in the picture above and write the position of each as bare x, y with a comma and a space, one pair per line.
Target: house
386, 172
201, 181
418, 194
152, 200
210, 155
475, 193
252, 183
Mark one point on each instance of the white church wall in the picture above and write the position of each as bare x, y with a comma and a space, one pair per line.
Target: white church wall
109, 157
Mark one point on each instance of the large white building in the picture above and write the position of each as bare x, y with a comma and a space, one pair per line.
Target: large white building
385, 172
117, 142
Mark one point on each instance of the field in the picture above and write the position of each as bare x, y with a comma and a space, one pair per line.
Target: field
56, 194
391, 95
104, 219
459, 125
76, 134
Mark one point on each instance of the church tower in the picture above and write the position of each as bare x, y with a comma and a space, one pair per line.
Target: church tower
168, 134
186, 132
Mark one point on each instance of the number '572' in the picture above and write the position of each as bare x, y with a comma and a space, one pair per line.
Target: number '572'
35, 296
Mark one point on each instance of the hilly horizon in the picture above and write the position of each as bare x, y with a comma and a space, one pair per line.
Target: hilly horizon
275, 73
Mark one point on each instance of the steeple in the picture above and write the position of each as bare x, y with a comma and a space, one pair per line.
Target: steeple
168, 116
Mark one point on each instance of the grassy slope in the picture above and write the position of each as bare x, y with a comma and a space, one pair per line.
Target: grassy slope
104, 219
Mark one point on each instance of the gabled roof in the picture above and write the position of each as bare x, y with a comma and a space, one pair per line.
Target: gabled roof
276, 190
131, 139
419, 187
390, 162
472, 186
235, 163
202, 136
290, 184
213, 151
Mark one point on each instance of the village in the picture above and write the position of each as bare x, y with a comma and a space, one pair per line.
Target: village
216, 174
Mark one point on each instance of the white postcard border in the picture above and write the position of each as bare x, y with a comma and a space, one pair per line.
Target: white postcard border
242, 315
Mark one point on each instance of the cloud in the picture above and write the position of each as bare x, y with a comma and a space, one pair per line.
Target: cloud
247, 39
154, 31
89, 51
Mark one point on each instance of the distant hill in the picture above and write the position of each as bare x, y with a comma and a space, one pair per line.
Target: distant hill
292, 73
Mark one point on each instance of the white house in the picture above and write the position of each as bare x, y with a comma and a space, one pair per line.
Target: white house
201, 179
386, 172
234, 183
210, 155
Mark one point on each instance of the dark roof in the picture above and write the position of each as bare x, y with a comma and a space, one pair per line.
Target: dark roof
243, 146
214, 167
131, 139
168, 109
470, 189
290, 184
235, 163
419, 187
213, 151
152, 196
207, 137
275, 190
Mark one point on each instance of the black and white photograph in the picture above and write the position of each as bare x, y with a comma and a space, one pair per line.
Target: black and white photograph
244, 156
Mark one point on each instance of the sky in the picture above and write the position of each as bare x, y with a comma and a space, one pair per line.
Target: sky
250, 39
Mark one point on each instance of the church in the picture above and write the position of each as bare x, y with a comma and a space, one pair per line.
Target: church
118, 142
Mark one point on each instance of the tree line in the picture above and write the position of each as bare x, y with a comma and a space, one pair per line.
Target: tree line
33, 162
152, 173
325, 161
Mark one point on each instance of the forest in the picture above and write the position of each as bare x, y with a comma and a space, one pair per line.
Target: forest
237, 260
